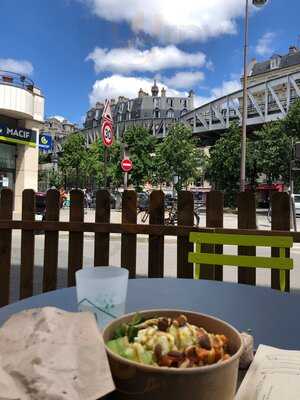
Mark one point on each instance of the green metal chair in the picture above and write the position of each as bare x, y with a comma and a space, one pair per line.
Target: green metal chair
282, 263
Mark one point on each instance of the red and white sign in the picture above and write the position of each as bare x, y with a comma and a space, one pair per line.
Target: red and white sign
126, 165
107, 129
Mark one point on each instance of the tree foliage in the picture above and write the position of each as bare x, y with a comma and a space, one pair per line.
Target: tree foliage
141, 147
178, 156
223, 169
291, 123
114, 171
74, 155
273, 152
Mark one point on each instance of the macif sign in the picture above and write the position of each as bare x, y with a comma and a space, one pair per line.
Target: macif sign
18, 135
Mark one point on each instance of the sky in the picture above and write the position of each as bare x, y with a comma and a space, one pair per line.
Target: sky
82, 51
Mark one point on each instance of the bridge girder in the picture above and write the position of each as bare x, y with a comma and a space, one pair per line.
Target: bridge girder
267, 101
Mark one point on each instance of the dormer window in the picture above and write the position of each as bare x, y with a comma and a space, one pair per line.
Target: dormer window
275, 61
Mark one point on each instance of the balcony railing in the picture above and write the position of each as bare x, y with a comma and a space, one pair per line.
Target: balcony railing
14, 79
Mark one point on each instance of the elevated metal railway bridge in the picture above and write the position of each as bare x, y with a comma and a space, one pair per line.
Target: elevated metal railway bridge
267, 101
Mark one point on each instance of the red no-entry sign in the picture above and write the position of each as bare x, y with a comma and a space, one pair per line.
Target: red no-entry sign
126, 165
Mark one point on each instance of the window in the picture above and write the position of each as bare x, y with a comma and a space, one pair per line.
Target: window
170, 101
275, 62
184, 111
170, 113
156, 113
156, 102
7, 156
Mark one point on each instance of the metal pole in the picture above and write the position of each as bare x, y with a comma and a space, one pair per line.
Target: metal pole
125, 180
292, 199
245, 104
105, 167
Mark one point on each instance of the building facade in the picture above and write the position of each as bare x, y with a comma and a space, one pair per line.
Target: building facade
21, 117
276, 67
156, 112
58, 129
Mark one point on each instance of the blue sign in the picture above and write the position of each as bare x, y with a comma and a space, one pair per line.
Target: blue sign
18, 135
45, 142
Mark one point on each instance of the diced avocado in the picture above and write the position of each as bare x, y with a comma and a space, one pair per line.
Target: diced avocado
118, 345
146, 357
130, 354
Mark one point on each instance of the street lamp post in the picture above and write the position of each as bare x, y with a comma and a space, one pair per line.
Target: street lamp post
257, 3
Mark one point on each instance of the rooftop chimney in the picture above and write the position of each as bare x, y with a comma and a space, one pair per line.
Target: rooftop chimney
293, 49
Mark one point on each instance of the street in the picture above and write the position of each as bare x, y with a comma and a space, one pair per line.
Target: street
230, 273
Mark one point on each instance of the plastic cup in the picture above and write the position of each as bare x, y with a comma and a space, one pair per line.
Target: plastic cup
102, 291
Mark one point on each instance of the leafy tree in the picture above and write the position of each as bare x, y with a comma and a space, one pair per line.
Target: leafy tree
44, 158
114, 171
273, 149
223, 169
74, 155
178, 156
291, 123
141, 146
55, 179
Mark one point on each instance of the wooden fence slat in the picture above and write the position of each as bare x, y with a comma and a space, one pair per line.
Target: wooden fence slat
75, 254
246, 220
128, 240
156, 243
6, 212
51, 242
101, 252
27, 245
185, 217
214, 219
280, 221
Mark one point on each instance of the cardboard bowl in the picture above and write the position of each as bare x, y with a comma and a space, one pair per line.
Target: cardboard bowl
135, 381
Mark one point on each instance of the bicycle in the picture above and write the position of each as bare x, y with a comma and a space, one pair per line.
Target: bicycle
172, 219
144, 213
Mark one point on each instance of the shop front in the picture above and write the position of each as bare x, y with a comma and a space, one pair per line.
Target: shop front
18, 157
7, 166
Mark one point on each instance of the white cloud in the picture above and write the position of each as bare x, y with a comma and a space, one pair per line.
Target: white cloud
173, 21
58, 117
226, 87
210, 65
184, 80
131, 59
18, 66
119, 85
265, 46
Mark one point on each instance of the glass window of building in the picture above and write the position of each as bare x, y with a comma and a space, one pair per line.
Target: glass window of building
156, 113
170, 113
7, 165
156, 102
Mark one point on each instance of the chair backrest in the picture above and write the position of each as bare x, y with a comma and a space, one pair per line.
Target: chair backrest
282, 263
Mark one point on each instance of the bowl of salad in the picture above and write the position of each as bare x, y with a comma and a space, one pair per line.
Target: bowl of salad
173, 354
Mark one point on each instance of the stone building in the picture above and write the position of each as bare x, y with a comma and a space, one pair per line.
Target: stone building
276, 67
58, 129
21, 118
156, 112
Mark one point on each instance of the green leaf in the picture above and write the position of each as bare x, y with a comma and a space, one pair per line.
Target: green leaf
121, 331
